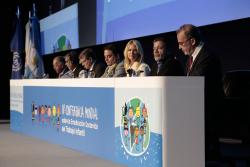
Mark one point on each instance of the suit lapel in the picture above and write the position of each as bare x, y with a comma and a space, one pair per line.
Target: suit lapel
163, 66
196, 61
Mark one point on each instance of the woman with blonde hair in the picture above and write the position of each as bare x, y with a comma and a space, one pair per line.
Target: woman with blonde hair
133, 60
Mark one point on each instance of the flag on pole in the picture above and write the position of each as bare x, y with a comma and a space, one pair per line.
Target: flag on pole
34, 67
17, 47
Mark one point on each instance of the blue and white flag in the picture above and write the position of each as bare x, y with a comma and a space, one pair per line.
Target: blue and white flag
17, 47
34, 67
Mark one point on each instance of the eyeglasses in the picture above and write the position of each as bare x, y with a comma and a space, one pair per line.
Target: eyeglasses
183, 43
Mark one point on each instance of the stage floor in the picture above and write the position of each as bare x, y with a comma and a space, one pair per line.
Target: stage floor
18, 150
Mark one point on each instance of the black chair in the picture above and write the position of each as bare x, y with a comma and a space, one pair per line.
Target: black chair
237, 84
234, 127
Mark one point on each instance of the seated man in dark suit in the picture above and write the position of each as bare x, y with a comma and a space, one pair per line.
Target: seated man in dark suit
60, 68
203, 62
164, 64
71, 61
92, 68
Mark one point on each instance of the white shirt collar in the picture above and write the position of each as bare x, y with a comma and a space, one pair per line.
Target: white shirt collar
197, 51
92, 66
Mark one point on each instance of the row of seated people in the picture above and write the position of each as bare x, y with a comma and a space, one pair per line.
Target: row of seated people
131, 65
201, 62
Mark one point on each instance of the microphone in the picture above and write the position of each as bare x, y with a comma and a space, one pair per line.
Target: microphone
45, 76
141, 71
130, 72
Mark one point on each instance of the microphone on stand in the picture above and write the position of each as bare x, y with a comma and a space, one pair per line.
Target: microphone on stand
130, 72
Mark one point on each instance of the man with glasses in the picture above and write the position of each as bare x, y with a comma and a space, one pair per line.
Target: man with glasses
203, 62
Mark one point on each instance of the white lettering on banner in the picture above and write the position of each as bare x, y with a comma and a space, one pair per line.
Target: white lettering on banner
91, 113
75, 111
91, 125
80, 123
16, 98
75, 119
77, 123
73, 131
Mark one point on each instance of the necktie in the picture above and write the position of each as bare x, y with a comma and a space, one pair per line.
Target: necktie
189, 65
159, 64
190, 62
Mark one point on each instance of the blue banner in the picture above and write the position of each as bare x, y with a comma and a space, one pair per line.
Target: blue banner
74, 117
118, 124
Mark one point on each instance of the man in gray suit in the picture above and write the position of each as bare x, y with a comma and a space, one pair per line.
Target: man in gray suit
114, 67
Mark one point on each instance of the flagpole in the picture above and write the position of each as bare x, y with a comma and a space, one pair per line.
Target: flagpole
18, 12
34, 9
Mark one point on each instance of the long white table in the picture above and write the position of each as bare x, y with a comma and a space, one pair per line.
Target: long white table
147, 121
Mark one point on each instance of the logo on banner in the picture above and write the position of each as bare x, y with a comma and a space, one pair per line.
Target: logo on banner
134, 129
46, 114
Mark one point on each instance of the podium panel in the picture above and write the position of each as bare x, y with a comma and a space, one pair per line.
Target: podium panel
147, 121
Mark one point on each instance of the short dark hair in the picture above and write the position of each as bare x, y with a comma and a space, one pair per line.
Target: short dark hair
72, 57
190, 31
112, 48
160, 39
60, 59
88, 53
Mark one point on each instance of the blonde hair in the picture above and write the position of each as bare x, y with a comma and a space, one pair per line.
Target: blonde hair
140, 57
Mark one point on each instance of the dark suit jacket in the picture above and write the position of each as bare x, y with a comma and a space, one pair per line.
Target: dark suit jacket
62, 74
207, 64
98, 69
77, 71
170, 67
